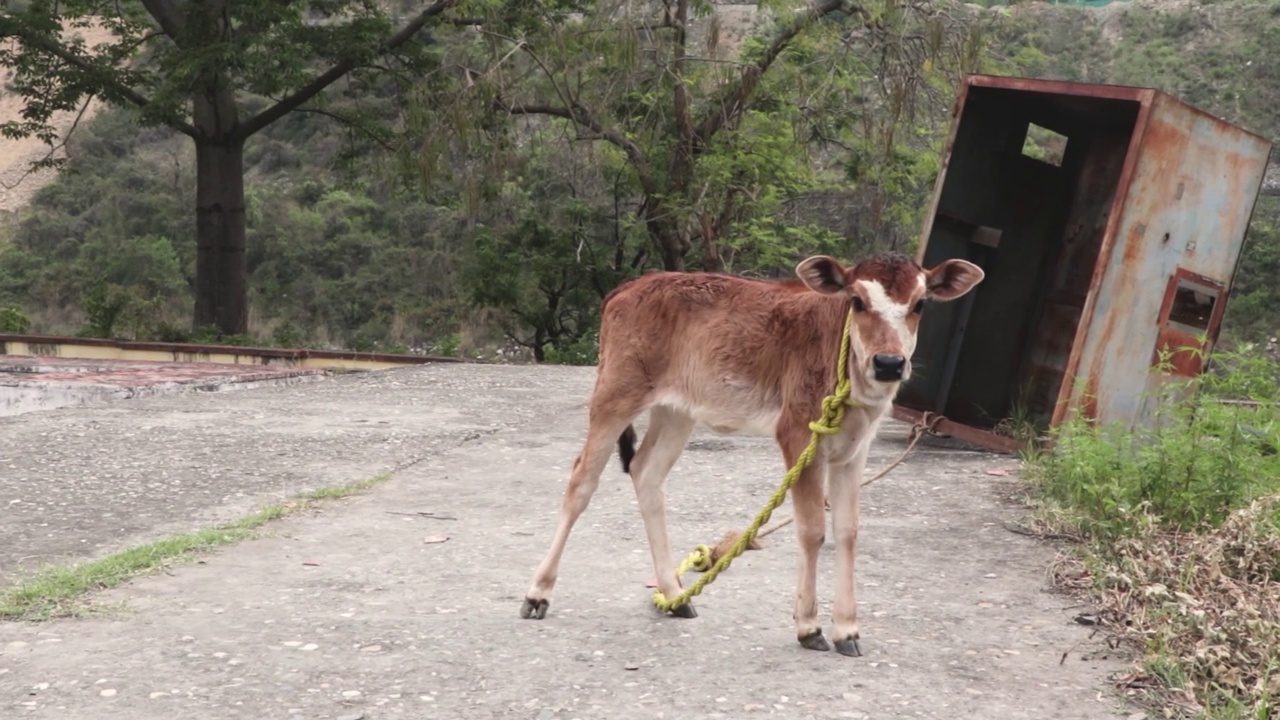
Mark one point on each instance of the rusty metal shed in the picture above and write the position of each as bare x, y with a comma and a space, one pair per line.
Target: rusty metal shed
1109, 221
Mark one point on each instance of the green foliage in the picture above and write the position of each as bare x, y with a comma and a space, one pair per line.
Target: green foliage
103, 306
287, 335
343, 263
212, 335
552, 258
148, 263
448, 345
219, 73
13, 321
125, 312
159, 57
1212, 448
584, 350
714, 150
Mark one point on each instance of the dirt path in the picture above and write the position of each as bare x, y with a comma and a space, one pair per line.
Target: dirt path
353, 612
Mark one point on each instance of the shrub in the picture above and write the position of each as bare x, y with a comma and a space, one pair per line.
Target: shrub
13, 321
1211, 448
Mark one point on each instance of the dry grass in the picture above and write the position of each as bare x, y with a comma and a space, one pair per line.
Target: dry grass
1203, 609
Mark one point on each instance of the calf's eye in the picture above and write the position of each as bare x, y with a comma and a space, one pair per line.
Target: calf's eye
858, 305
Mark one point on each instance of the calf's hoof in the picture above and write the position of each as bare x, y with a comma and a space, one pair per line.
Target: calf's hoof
814, 641
849, 647
685, 611
534, 609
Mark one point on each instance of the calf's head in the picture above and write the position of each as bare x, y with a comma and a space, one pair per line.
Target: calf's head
887, 293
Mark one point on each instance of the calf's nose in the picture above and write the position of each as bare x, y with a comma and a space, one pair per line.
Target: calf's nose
888, 368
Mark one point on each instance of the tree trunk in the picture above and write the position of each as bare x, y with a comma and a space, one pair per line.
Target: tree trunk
539, 345
662, 231
221, 270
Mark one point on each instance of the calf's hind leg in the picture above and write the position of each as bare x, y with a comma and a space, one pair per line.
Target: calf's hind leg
606, 424
664, 440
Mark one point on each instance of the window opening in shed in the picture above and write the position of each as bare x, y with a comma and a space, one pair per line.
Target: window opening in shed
1192, 307
1189, 317
1044, 145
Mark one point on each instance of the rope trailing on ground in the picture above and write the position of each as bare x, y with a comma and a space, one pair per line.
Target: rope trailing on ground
833, 410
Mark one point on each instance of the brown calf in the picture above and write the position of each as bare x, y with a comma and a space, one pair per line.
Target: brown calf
756, 356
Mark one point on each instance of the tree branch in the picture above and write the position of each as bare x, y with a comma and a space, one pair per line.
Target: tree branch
352, 124
102, 78
294, 100
583, 117
166, 14
735, 100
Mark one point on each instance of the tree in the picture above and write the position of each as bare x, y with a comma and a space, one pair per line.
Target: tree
214, 70
699, 123
552, 247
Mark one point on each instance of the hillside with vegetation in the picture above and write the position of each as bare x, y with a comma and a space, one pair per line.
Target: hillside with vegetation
349, 245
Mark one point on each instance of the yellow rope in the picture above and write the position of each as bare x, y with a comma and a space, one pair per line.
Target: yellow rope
833, 409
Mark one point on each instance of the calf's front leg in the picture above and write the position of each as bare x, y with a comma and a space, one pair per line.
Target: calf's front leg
845, 481
806, 502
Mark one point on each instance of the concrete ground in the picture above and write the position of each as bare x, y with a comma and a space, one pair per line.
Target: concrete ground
404, 603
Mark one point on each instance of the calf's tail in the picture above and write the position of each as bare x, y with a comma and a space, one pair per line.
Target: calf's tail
627, 447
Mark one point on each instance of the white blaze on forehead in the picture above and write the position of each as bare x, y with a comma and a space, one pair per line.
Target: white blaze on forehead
893, 312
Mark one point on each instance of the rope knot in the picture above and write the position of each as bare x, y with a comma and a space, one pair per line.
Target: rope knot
700, 559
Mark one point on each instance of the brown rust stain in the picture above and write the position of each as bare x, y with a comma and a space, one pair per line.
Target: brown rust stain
1062, 87
1133, 245
1089, 400
1185, 354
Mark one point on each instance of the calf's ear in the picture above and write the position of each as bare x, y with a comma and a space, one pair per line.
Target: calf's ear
822, 274
952, 279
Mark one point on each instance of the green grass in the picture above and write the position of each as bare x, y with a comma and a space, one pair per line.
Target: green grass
60, 591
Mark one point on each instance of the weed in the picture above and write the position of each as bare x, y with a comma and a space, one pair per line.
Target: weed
1204, 453
59, 591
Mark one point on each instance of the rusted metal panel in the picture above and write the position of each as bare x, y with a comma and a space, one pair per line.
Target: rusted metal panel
1188, 205
1069, 384
959, 431
1064, 88
1120, 247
